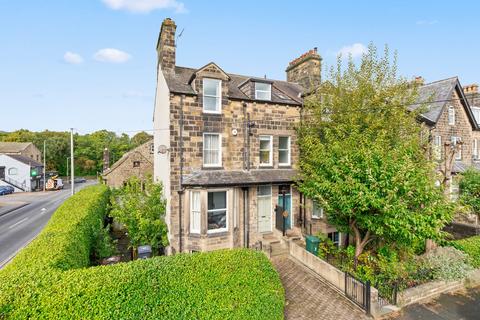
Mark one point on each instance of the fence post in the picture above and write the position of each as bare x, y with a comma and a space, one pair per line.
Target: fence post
367, 297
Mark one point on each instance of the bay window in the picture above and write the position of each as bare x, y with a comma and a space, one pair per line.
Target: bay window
217, 211
195, 212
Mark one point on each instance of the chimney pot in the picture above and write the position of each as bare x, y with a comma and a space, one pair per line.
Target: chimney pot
166, 46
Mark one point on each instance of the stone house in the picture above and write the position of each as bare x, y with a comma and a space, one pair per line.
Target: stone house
449, 117
226, 152
26, 149
135, 163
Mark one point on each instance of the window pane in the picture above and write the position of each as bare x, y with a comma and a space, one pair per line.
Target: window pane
283, 143
265, 144
264, 156
210, 103
210, 87
317, 210
217, 200
283, 156
263, 95
217, 220
211, 149
264, 190
262, 86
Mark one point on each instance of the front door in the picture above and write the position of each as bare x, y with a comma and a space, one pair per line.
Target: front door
264, 208
2, 172
285, 206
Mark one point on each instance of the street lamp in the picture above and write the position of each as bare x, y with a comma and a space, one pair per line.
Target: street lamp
68, 158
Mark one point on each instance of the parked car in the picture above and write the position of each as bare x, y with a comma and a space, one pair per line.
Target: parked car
4, 190
80, 180
10, 188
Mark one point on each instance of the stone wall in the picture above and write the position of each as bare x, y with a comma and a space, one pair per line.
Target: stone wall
462, 230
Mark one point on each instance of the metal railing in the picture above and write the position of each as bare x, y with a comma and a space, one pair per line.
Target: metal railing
15, 183
358, 291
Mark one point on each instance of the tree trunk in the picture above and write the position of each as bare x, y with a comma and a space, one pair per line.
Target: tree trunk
360, 242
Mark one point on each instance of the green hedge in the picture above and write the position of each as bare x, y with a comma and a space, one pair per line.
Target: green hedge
50, 279
471, 246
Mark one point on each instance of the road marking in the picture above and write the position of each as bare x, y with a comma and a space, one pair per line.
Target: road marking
17, 223
43, 211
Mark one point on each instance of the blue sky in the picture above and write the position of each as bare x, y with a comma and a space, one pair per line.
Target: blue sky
55, 72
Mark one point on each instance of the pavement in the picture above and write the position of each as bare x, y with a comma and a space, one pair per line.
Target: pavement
310, 297
23, 215
460, 305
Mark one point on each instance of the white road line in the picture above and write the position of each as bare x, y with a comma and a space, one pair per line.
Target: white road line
17, 223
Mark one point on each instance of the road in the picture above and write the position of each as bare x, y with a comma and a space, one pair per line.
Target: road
460, 305
20, 226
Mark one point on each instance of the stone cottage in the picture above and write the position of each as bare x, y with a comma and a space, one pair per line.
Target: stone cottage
135, 163
226, 152
26, 149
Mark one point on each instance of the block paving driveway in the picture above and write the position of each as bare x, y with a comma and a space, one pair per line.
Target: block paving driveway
310, 297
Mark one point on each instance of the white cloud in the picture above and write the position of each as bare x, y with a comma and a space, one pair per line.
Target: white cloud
356, 50
111, 55
72, 57
426, 22
145, 6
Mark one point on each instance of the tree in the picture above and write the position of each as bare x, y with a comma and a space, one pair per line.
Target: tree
141, 138
470, 190
362, 156
140, 206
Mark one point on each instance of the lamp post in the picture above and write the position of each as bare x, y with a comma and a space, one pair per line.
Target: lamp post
72, 173
44, 163
68, 158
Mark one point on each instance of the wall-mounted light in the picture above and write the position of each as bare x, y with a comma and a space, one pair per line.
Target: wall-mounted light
162, 149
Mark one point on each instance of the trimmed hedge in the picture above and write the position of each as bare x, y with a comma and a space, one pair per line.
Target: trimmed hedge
225, 284
471, 246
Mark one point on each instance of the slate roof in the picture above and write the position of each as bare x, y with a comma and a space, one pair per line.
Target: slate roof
214, 178
440, 93
13, 147
25, 160
282, 91
127, 155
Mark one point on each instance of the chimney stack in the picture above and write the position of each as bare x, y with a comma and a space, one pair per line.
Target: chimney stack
305, 70
470, 89
419, 80
166, 46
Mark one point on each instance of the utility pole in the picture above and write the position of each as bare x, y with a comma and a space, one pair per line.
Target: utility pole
44, 163
72, 174
68, 159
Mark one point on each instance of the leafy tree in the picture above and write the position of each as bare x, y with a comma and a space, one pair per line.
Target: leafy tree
362, 156
141, 138
140, 206
470, 190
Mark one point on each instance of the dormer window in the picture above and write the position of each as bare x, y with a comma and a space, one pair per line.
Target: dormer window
263, 91
212, 95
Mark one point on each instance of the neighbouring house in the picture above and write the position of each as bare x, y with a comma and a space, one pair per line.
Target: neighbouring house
21, 172
135, 163
226, 152
449, 116
26, 149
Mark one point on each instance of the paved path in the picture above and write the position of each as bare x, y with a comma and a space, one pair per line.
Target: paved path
309, 297
20, 226
461, 305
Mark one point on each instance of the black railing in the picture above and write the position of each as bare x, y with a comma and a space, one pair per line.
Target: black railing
387, 294
358, 292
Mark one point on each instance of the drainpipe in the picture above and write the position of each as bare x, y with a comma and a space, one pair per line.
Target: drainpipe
245, 134
181, 189
246, 232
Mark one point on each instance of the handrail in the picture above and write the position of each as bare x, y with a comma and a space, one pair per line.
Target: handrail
15, 183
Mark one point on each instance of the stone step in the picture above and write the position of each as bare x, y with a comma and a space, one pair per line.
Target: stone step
278, 249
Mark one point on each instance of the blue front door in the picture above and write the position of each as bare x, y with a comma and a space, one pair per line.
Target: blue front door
288, 204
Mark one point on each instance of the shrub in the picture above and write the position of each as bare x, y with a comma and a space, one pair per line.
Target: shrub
49, 279
471, 246
445, 263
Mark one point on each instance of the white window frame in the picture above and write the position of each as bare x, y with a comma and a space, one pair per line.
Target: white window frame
264, 91
218, 107
314, 216
475, 149
451, 115
270, 158
339, 238
12, 171
213, 210
454, 140
212, 165
476, 114
195, 210
288, 151
437, 147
